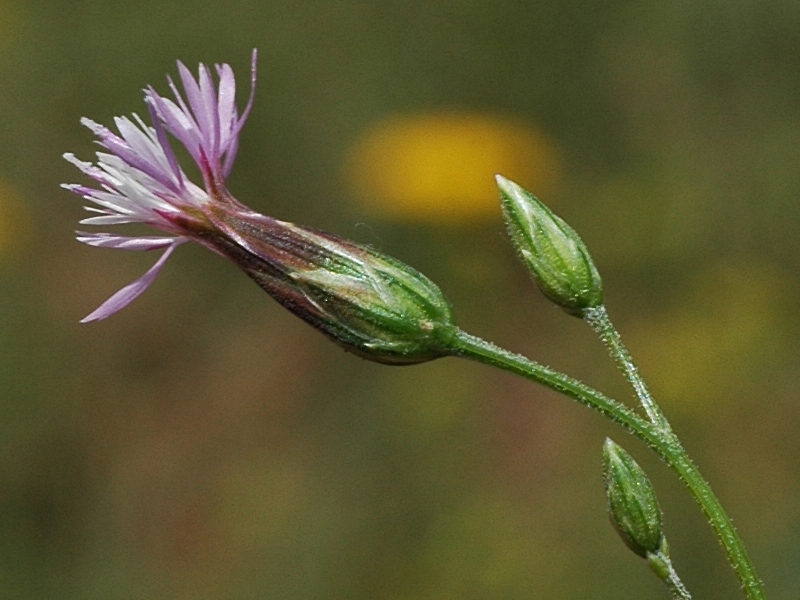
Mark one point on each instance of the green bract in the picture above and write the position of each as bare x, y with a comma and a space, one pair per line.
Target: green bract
552, 251
632, 504
371, 304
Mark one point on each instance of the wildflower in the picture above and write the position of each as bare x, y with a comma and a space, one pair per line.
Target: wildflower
141, 180
368, 302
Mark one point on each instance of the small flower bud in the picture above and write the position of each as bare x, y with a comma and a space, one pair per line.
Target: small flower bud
632, 505
552, 251
373, 305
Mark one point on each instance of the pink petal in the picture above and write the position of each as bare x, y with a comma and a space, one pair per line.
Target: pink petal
130, 292
124, 242
178, 121
161, 135
210, 114
234, 134
226, 106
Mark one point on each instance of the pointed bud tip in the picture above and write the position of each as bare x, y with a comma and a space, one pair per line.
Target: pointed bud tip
501, 181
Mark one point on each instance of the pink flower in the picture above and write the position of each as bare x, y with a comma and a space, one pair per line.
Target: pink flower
140, 180
371, 304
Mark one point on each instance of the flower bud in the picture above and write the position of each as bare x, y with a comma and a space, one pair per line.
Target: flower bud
632, 505
373, 305
552, 251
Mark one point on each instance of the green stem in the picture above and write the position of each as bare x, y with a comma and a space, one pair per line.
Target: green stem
664, 443
661, 565
676, 587
597, 318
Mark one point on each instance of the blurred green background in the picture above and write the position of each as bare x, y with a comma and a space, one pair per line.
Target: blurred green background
204, 443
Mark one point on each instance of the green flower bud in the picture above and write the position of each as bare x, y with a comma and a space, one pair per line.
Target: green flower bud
632, 505
369, 303
553, 252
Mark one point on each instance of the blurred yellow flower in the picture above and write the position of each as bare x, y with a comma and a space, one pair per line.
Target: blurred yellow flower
439, 167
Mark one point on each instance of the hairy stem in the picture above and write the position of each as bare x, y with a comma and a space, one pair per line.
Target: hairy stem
597, 318
661, 441
661, 565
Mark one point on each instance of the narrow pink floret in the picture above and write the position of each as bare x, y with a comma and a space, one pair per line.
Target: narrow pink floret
124, 242
131, 291
206, 122
236, 125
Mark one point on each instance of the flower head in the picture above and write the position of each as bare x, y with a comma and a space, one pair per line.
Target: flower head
369, 303
140, 180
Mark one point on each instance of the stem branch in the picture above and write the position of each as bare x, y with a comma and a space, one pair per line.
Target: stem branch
660, 440
597, 318
661, 565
